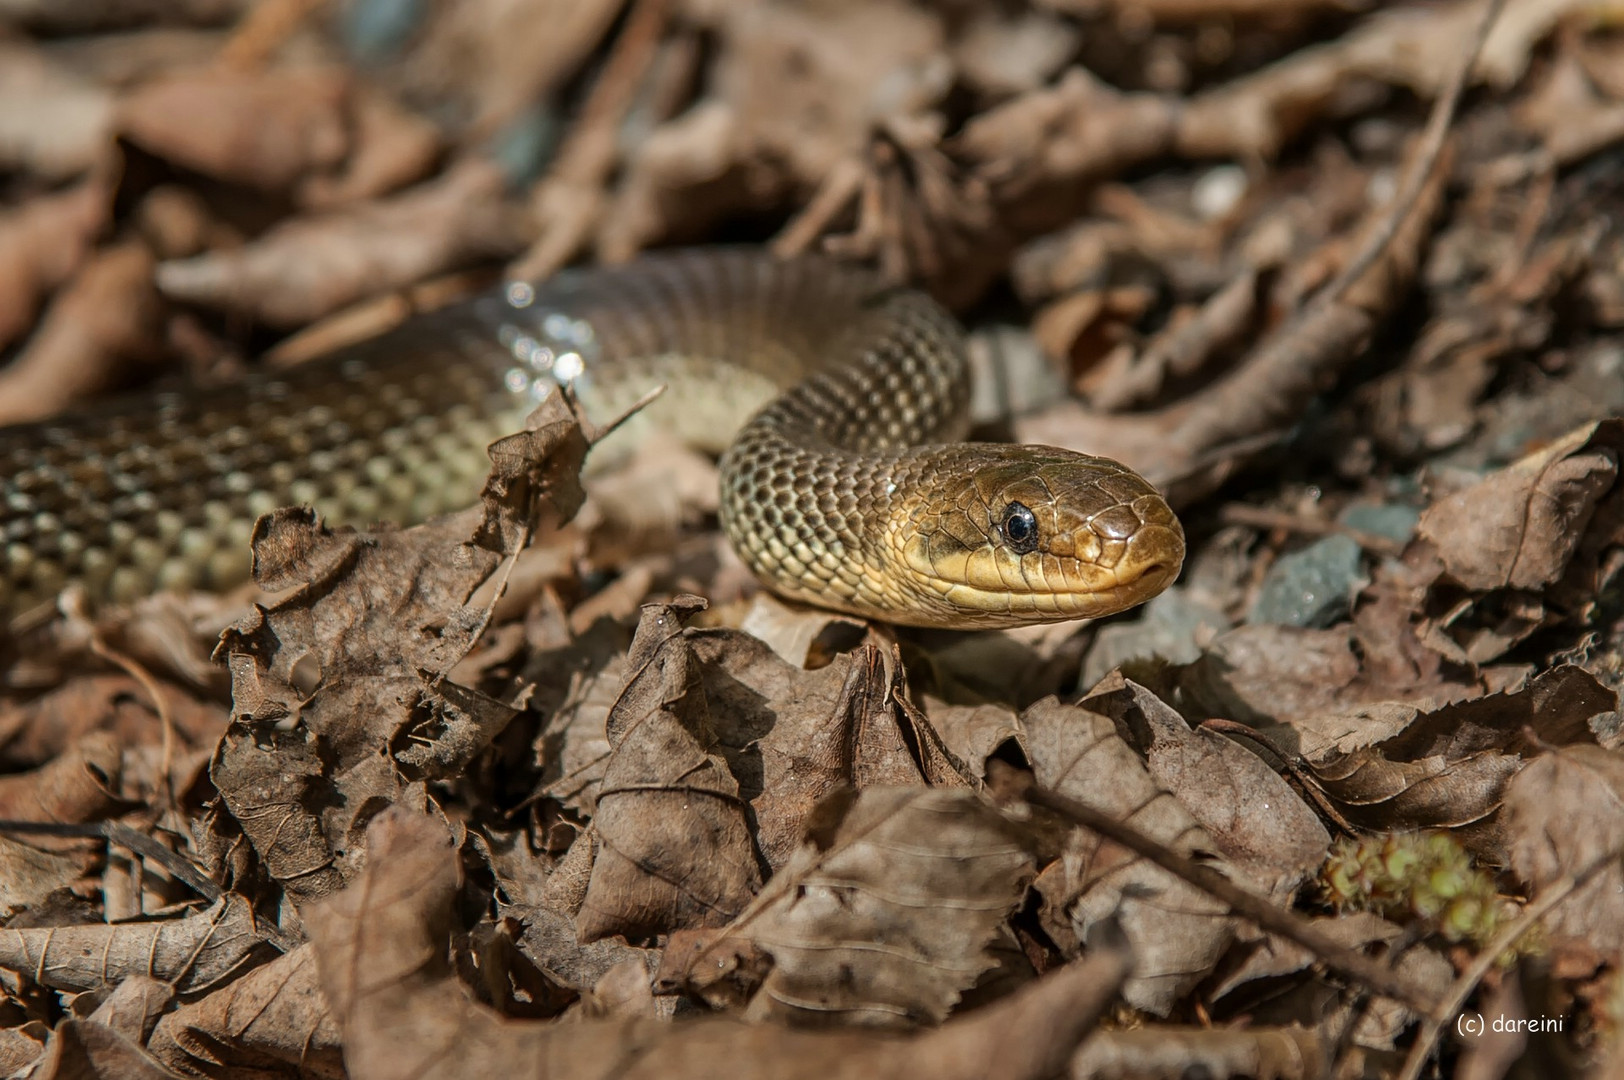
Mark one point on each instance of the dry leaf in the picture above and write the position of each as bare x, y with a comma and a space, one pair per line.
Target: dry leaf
41, 243
1178, 932
195, 953
1563, 812
382, 951
1263, 828
103, 324
308, 267
883, 918
376, 620
272, 1019
1519, 527
265, 128
672, 842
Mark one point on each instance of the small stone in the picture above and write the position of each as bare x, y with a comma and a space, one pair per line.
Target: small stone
1395, 521
1169, 629
1310, 588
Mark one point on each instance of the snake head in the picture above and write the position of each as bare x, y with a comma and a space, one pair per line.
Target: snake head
1013, 535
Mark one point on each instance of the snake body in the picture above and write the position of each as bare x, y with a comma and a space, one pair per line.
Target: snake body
836, 404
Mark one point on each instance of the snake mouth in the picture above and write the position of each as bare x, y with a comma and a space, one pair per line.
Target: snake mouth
977, 607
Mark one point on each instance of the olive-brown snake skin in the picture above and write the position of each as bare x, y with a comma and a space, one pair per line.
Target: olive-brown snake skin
836, 404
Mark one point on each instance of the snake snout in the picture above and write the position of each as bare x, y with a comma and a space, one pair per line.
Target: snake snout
1152, 559
1126, 543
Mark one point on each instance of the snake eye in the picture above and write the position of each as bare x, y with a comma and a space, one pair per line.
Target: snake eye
1020, 528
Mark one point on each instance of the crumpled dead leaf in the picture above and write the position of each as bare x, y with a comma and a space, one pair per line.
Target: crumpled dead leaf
382, 951
1564, 812
1396, 766
193, 953
1263, 828
266, 128
670, 835
41, 243
883, 917
53, 122
1266, 961
1519, 527
796, 93
272, 1018
97, 330
1178, 931
341, 700
308, 267
80, 785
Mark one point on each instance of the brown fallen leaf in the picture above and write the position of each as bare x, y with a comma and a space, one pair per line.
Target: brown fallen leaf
339, 688
795, 95
86, 1048
390, 148
1183, 349
80, 785
1178, 931
273, 1018
1414, 47
1262, 673
1396, 766
1052, 142
1284, 1053
264, 128
1263, 828
1569, 116
1563, 812
54, 123
307, 267
100, 326
1264, 964
1519, 527
382, 951
41, 243
22, 1045
496, 58
28, 875
883, 917
36, 731
799, 735
670, 835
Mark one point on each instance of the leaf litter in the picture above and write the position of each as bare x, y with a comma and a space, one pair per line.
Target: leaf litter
502, 791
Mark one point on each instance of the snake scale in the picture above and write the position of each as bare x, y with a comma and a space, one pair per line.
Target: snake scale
836, 404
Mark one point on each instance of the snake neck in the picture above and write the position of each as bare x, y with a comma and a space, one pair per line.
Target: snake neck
814, 484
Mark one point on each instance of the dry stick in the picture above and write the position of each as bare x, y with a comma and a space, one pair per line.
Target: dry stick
262, 31
1278, 759
1245, 398
1377, 976
166, 723
590, 151
1433, 1025
179, 866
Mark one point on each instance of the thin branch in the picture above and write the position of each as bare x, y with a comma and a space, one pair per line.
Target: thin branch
1379, 978
1434, 1024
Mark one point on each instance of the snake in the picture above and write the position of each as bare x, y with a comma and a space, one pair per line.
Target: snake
837, 402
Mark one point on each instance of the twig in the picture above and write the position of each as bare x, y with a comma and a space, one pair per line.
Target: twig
1376, 976
262, 31
1266, 392
569, 199
1433, 1025
166, 722
179, 867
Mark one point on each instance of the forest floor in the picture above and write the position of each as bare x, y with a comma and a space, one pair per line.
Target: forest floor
500, 794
